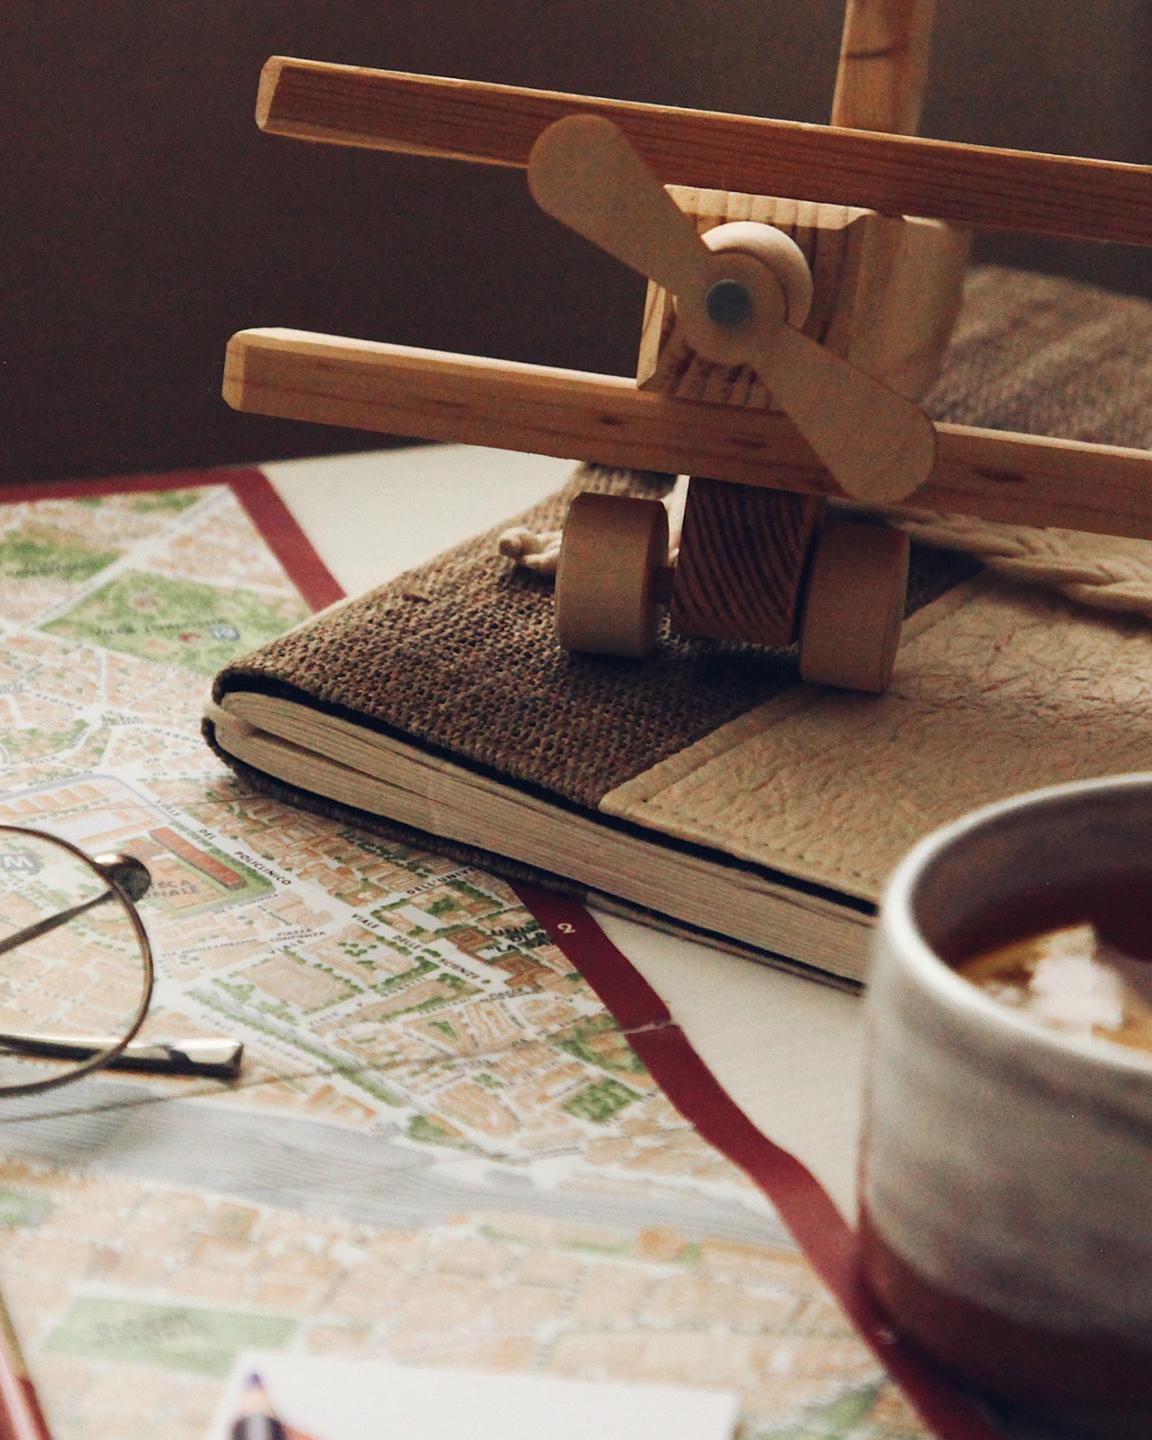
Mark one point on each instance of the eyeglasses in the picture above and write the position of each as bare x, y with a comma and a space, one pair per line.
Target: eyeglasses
76, 969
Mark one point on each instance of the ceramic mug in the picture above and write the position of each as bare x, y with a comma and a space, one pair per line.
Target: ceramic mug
1006, 1167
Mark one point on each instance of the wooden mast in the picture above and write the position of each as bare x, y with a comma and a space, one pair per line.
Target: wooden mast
884, 54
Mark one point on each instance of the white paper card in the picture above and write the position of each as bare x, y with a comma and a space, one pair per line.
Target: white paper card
331, 1399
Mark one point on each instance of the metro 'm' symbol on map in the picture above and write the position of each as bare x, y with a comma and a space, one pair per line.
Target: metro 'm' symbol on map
19, 862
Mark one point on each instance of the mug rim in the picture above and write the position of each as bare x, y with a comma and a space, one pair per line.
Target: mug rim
918, 957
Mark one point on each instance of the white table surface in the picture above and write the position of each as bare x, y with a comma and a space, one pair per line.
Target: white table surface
786, 1049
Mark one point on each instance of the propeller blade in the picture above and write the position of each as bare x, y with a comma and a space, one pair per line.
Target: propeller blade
879, 445
584, 173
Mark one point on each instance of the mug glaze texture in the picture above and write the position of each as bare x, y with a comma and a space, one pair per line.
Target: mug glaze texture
1006, 1167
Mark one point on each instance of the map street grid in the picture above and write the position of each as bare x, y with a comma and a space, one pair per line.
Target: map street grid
442, 1150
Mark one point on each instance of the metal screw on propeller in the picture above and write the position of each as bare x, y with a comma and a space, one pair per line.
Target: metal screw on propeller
736, 306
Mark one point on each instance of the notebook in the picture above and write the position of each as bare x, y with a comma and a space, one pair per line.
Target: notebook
706, 788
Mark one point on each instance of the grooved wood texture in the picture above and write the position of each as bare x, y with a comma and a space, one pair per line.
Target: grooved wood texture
886, 294
832, 238
742, 554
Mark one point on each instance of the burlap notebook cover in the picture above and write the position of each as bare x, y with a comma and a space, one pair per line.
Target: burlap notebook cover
706, 788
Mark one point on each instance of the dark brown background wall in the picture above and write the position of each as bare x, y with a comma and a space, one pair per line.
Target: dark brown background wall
145, 218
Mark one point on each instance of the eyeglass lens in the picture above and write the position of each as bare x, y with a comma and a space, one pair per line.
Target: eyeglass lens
71, 964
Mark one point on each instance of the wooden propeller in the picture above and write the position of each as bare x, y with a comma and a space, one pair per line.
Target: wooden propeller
732, 307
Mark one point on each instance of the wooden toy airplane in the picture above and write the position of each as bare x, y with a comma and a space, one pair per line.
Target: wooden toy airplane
795, 317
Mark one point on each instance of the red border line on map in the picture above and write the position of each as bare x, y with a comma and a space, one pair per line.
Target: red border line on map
116, 485
802, 1203
284, 537
276, 524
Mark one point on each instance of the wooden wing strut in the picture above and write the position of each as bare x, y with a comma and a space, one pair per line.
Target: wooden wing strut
895, 174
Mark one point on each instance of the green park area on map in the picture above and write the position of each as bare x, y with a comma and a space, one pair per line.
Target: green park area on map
176, 622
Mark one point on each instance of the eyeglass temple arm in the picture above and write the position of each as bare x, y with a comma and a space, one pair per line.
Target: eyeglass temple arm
219, 1058
215, 1058
51, 922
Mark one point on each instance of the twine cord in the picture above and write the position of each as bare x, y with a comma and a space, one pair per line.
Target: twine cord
1106, 580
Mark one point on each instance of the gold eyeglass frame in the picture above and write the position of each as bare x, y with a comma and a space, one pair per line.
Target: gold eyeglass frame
216, 1058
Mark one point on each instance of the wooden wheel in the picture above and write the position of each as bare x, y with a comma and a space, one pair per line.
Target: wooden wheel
854, 607
612, 549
